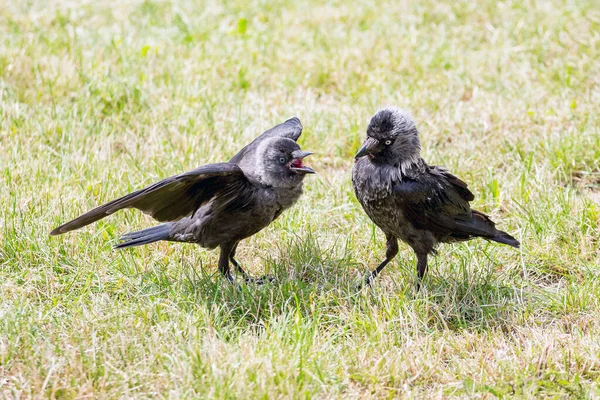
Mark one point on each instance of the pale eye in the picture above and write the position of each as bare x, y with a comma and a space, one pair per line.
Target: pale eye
282, 160
388, 142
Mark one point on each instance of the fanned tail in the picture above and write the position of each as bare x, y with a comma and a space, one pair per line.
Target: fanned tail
150, 235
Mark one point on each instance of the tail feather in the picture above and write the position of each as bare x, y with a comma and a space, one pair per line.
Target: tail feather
505, 238
480, 225
150, 235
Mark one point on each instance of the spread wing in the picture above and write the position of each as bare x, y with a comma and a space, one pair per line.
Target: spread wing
439, 201
291, 129
175, 197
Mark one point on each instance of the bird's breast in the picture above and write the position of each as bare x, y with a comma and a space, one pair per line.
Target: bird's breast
373, 182
284, 197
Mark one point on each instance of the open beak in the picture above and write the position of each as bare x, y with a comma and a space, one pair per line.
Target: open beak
367, 148
297, 165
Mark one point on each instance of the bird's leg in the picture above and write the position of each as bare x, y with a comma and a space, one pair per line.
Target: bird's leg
237, 265
224, 262
421, 268
244, 274
391, 249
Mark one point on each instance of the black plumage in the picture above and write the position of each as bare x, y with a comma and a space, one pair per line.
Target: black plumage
409, 200
218, 204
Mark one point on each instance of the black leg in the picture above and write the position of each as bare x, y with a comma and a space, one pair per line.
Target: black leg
244, 274
391, 249
421, 268
237, 265
224, 262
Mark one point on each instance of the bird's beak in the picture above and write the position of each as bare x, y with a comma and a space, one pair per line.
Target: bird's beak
367, 147
297, 165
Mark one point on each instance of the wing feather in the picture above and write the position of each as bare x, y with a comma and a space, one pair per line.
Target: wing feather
291, 129
438, 201
175, 197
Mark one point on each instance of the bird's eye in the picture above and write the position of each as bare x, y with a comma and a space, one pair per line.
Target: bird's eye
282, 160
388, 142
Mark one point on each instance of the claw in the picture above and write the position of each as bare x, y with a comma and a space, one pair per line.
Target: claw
366, 282
260, 281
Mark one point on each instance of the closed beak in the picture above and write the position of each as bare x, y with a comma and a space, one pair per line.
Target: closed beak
367, 147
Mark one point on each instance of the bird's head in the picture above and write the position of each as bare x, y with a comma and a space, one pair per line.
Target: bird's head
392, 137
280, 162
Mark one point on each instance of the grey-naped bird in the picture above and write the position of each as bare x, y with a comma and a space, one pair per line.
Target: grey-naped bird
409, 200
218, 204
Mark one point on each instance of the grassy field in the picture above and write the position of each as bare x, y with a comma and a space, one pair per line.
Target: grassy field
100, 98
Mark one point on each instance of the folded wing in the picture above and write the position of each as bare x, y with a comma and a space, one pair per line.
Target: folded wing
439, 201
175, 197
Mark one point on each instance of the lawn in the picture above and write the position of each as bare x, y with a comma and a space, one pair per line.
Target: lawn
99, 98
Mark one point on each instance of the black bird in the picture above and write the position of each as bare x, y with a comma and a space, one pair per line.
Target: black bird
218, 204
409, 200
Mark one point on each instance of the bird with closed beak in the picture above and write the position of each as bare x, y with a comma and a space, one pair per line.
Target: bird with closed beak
218, 205
407, 199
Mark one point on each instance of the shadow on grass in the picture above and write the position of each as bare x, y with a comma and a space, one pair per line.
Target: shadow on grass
313, 282
308, 280
478, 293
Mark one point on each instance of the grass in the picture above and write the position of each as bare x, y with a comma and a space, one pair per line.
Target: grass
100, 98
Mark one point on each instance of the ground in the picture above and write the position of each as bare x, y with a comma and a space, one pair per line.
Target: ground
98, 98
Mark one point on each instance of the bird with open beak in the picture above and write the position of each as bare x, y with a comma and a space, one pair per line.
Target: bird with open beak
218, 205
409, 200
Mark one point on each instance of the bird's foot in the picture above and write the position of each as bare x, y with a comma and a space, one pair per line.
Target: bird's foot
230, 279
259, 281
366, 282
232, 282
419, 284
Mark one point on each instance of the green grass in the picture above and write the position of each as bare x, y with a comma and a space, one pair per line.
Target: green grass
100, 98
